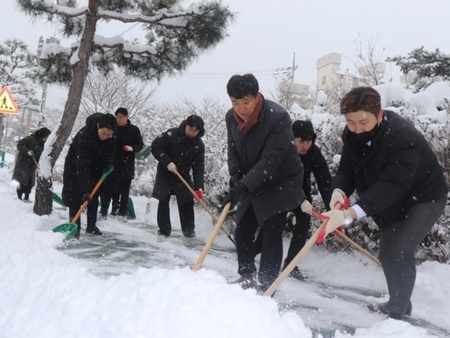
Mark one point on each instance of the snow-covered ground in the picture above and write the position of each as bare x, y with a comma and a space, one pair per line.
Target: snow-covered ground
124, 284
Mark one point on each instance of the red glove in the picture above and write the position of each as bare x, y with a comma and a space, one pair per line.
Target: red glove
127, 148
199, 193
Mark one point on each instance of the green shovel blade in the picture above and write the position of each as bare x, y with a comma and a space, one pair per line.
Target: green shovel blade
130, 208
68, 229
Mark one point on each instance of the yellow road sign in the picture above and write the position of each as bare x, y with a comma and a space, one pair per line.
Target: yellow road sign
7, 103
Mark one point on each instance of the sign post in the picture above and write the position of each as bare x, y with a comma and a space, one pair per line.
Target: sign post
7, 106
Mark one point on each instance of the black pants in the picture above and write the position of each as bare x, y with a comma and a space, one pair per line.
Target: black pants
120, 194
186, 211
398, 244
91, 213
271, 249
24, 189
118, 190
300, 234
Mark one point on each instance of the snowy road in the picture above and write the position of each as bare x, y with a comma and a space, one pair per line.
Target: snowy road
334, 298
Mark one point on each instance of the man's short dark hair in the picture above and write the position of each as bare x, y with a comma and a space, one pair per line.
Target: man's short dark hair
122, 111
196, 122
239, 86
304, 130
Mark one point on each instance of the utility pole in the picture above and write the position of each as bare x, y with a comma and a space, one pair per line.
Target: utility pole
288, 78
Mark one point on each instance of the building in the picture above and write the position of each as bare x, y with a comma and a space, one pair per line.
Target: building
329, 73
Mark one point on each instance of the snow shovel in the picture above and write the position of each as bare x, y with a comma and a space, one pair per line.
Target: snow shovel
130, 208
58, 199
64, 228
204, 205
294, 262
213, 236
36, 164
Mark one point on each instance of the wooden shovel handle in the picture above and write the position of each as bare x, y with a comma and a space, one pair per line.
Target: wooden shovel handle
92, 194
212, 237
294, 262
202, 203
364, 251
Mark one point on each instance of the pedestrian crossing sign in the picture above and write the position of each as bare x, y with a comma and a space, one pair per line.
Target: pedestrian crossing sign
7, 103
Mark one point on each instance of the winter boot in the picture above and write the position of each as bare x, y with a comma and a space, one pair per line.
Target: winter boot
382, 308
191, 238
19, 194
247, 281
295, 273
93, 230
77, 234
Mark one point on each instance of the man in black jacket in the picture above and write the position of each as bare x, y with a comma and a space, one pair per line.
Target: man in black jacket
128, 141
313, 163
90, 154
266, 177
399, 183
25, 165
178, 150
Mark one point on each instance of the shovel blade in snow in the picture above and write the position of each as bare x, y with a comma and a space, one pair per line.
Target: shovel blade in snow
130, 209
68, 229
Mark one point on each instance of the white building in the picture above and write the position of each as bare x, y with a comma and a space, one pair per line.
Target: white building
329, 73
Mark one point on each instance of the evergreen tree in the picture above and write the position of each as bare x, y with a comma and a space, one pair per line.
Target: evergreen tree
425, 67
16, 65
174, 39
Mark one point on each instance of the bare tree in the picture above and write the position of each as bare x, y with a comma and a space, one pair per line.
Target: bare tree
368, 64
107, 93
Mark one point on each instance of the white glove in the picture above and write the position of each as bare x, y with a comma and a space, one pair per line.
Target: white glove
128, 148
337, 200
171, 167
333, 219
306, 207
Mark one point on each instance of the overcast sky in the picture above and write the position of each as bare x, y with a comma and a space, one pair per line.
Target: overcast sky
266, 34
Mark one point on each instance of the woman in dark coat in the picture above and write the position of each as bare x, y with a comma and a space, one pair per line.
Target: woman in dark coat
266, 177
90, 155
25, 166
399, 183
179, 149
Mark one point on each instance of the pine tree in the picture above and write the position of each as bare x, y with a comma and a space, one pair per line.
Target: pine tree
175, 36
16, 65
426, 67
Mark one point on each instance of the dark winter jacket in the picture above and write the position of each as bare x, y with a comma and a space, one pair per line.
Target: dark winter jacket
187, 153
268, 161
86, 160
124, 160
25, 168
314, 163
396, 171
